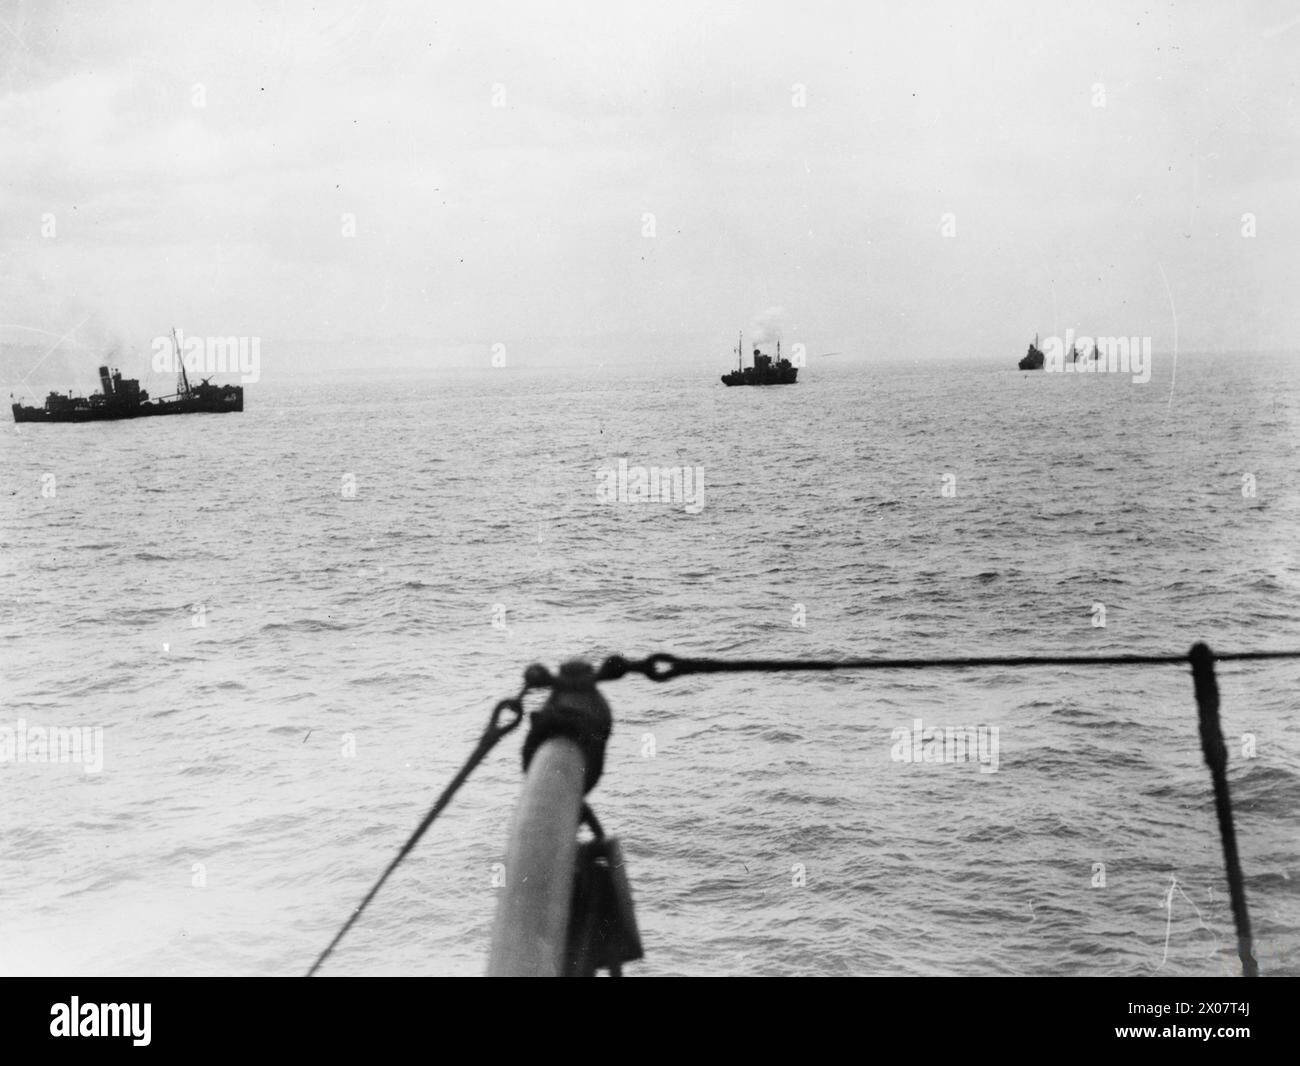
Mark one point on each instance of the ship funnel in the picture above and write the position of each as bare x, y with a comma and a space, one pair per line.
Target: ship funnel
105, 382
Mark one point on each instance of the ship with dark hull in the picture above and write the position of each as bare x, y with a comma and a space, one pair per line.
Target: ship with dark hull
123, 398
1034, 358
764, 371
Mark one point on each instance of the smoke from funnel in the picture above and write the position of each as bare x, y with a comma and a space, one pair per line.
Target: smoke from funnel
766, 327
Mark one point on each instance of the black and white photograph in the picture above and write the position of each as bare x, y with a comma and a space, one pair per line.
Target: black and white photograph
726, 489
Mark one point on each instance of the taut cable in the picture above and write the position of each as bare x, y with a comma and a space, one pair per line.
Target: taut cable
495, 731
663, 667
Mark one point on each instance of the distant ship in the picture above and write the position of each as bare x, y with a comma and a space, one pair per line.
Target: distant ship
764, 371
120, 398
1034, 358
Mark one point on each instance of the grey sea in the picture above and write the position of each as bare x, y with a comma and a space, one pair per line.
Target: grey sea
290, 626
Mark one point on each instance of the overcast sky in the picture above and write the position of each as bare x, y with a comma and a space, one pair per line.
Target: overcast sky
525, 224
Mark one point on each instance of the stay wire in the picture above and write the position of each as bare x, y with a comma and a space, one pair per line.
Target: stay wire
497, 729
664, 667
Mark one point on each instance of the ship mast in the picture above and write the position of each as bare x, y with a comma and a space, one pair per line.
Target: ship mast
740, 350
182, 381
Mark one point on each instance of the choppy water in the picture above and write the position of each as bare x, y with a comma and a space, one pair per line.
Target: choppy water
371, 617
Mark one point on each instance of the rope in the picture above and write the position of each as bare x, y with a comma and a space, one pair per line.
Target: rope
495, 731
1216, 758
663, 667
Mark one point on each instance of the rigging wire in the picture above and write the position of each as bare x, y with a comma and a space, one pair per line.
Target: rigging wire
663, 667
